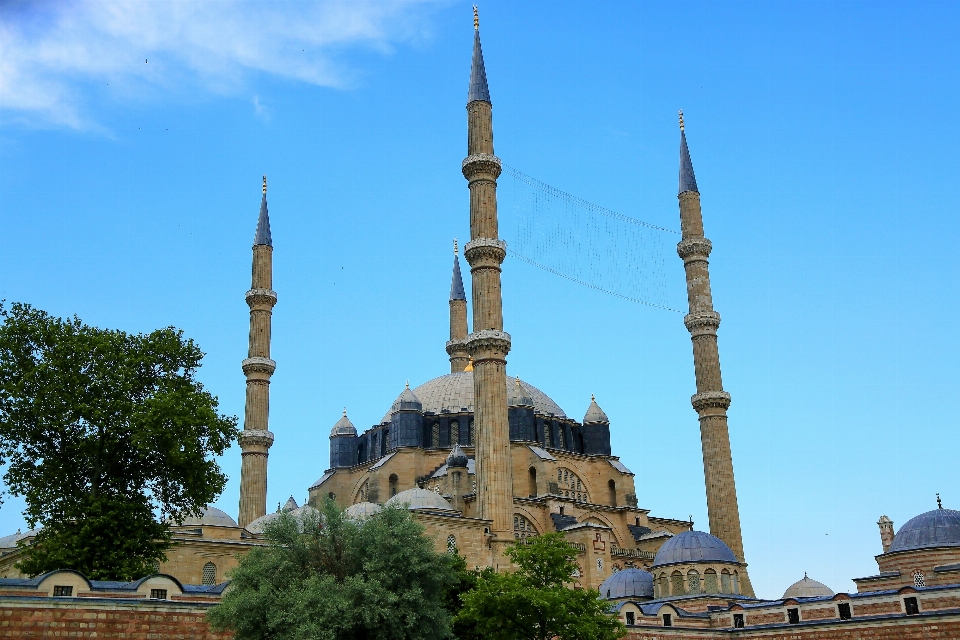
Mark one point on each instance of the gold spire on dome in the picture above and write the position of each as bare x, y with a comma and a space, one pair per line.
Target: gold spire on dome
469, 365
476, 18
264, 184
681, 119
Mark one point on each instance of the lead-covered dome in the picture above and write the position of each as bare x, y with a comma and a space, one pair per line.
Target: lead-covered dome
260, 524
361, 510
628, 583
693, 546
807, 588
417, 498
211, 517
453, 393
937, 528
343, 427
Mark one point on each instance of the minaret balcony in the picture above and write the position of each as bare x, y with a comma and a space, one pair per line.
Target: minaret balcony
258, 365
702, 322
693, 249
481, 166
488, 343
256, 439
710, 400
261, 298
485, 252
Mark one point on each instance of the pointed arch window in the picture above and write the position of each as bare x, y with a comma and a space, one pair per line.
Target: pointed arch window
693, 581
209, 574
454, 433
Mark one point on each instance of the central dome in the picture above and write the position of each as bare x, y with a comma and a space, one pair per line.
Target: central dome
453, 393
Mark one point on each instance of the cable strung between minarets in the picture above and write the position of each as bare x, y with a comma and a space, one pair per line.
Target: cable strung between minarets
456, 348
256, 439
488, 345
710, 401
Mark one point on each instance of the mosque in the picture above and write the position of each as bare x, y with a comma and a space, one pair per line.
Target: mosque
484, 459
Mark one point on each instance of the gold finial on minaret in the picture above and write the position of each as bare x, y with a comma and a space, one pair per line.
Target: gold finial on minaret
454, 246
681, 119
264, 183
476, 18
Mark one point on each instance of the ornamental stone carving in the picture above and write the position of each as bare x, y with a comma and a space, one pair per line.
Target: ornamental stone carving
456, 346
485, 249
488, 340
255, 438
700, 322
481, 163
256, 297
258, 364
694, 248
710, 399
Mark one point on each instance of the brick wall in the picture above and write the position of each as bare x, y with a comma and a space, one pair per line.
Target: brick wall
88, 618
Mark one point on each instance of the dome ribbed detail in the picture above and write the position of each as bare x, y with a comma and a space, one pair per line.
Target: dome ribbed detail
629, 583
807, 588
937, 528
693, 546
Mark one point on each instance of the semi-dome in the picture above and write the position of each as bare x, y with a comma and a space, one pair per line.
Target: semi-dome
417, 498
807, 588
211, 517
594, 413
693, 546
457, 457
343, 427
937, 528
454, 393
260, 524
628, 583
361, 510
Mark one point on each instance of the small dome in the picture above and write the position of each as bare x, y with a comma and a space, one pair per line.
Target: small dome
343, 427
937, 528
693, 546
629, 583
420, 499
361, 510
807, 588
260, 524
407, 401
518, 396
594, 413
211, 517
457, 457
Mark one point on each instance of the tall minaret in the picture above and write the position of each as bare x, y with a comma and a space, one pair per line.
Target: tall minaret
256, 439
488, 344
458, 319
711, 401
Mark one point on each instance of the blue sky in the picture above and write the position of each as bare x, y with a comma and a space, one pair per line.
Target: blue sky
133, 137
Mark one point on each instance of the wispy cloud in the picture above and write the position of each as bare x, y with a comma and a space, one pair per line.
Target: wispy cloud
58, 61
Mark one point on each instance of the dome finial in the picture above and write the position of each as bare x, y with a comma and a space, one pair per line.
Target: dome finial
408, 384
593, 398
344, 412
264, 183
804, 575
939, 504
681, 119
476, 18
469, 364
454, 246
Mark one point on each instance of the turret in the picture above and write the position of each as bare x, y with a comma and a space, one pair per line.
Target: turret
344, 443
596, 430
456, 348
256, 438
886, 532
406, 423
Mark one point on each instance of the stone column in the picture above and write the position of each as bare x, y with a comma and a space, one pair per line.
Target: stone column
256, 438
488, 344
710, 401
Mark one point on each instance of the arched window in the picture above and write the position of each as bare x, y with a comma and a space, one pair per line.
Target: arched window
725, 582
736, 582
570, 485
209, 574
664, 586
454, 433
523, 528
919, 580
612, 486
532, 477
435, 435
693, 581
560, 441
362, 492
676, 584
394, 481
451, 544
710, 581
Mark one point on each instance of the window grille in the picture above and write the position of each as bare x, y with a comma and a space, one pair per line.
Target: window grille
843, 610
62, 591
523, 528
710, 582
570, 486
725, 582
454, 433
793, 616
919, 580
158, 594
156, 567
209, 574
435, 435
451, 544
693, 580
470, 433
677, 585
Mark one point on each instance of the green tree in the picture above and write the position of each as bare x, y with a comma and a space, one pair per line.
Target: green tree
535, 602
106, 435
325, 576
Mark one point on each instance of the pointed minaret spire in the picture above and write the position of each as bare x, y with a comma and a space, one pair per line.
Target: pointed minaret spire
459, 358
710, 401
263, 222
688, 181
256, 439
478, 75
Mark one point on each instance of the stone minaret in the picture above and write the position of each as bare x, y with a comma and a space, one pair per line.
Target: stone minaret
488, 344
710, 401
256, 439
456, 348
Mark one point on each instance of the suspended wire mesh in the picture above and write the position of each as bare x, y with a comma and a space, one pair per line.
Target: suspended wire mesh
586, 243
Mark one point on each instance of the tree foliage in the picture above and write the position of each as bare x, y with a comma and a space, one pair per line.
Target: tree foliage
535, 602
325, 576
106, 435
